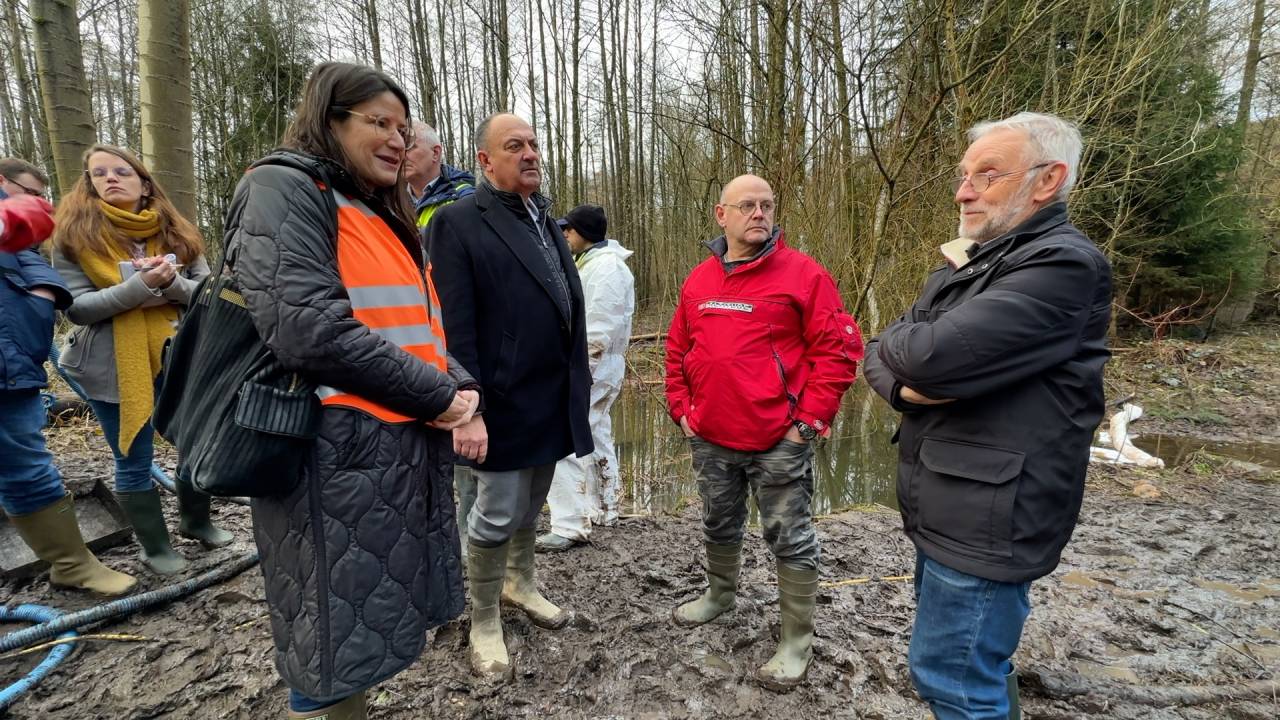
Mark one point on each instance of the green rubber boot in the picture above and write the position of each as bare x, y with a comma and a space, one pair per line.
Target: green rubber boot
724, 562
521, 589
797, 593
193, 516
143, 511
54, 536
1011, 684
486, 568
353, 708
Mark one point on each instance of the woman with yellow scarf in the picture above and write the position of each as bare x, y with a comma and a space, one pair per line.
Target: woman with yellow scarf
132, 263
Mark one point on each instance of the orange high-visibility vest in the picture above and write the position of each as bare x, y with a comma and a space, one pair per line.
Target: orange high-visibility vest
388, 293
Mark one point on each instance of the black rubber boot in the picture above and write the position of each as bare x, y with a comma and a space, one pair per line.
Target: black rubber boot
193, 516
143, 511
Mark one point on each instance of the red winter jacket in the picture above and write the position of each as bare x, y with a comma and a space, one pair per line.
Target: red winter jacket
756, 347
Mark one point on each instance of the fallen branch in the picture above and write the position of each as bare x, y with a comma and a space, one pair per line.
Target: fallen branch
1062, 685
115, 637
646, 337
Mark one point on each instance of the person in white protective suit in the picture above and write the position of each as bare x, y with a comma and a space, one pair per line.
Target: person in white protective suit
585, 490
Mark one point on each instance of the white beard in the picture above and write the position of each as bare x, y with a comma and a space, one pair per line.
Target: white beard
996, 225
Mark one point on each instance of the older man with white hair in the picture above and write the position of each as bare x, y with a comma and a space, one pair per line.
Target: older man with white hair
433, 183
997, 371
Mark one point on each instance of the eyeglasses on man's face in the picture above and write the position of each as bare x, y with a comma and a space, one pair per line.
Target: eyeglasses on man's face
386, 126
749, 207
28, 190
981, 182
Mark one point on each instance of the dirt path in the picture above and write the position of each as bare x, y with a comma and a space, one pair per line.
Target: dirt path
1159, 602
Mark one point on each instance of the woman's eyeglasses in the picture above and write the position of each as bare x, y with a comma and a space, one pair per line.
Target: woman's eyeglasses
386, 126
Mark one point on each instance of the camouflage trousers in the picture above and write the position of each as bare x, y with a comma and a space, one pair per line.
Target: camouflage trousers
780, 478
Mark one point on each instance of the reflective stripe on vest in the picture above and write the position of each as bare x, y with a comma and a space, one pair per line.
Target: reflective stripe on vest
388, 294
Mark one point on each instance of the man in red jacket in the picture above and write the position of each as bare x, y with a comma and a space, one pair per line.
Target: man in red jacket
759, 353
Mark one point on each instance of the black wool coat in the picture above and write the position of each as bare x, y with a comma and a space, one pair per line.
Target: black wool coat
506, 326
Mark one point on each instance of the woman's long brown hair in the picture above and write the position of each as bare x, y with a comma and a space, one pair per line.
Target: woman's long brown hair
330, 93
83, 227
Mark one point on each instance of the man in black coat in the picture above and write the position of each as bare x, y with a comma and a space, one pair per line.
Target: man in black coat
997, 371
514, 318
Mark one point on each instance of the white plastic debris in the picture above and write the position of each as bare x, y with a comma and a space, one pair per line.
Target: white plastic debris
1122, 451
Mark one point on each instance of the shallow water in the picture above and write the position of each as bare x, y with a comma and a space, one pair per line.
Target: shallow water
855, 466
1177, 449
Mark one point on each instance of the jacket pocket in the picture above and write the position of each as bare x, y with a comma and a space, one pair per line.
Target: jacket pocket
928, 314
506, 357
842, 325
965, 494
77, 348
35, 332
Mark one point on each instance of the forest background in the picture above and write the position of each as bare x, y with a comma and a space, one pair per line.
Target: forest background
854, 110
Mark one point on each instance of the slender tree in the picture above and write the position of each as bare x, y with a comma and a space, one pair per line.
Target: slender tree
164, 37
60, 67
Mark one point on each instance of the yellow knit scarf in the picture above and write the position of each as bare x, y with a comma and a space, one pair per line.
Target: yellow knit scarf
139, 333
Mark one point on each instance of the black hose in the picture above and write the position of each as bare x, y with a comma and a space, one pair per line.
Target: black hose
124, 607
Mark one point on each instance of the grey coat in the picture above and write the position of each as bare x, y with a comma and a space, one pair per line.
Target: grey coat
89, 355
362, 557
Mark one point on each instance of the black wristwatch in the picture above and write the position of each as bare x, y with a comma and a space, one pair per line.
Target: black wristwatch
807, 431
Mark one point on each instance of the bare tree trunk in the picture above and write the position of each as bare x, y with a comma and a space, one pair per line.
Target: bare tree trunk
504, 58
423, 64
778, 13
575, 95
26, 139
1249, 78
164, 33
60, 67
12, 131
128, 76
451, 142
557, 159
370, 8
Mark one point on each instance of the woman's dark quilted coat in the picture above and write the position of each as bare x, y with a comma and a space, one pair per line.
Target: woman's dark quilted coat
362, 558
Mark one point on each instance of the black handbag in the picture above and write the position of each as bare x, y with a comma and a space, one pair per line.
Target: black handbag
242, 424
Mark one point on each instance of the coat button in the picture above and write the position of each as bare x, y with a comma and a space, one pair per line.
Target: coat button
969, 271
985, 265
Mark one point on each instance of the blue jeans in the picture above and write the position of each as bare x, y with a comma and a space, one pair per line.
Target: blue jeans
133, 471
300, 703
966, 630
28, 479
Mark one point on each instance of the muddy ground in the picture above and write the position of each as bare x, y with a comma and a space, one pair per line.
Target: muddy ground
1164, 607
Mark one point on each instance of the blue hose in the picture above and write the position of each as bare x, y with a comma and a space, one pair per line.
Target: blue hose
124, 607
36, 614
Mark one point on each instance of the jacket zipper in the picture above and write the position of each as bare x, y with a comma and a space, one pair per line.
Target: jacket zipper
322, 576
792, 401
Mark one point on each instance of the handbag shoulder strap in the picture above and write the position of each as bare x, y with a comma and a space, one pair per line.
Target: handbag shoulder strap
323, 188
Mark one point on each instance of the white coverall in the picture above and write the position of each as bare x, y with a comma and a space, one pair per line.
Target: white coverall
585, 490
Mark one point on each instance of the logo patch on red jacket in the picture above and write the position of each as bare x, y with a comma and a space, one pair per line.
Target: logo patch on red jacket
722, 305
